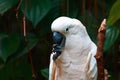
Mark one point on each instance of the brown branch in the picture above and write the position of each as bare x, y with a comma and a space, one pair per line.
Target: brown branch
19, 4
26, 40
99, 54
101, 39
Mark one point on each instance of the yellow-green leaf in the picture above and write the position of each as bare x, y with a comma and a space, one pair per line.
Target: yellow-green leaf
114, 14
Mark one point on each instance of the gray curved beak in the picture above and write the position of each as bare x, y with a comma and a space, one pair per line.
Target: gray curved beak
58, 43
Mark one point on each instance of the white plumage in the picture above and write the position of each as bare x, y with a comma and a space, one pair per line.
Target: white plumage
77, 61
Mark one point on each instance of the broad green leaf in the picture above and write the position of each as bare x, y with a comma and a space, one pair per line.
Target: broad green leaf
6, 4
2, 36
9, 46
32, 42
112, 34
36, 9
114, 14
45, 72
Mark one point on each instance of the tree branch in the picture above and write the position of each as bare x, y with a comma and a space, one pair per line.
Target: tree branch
99, 54
26, 40
18, 6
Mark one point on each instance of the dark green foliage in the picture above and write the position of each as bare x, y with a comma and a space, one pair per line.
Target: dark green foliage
45, 73
9, 45
35, 9
14, 60
112, 34
114, 14
22, 50
15, 70
6, 4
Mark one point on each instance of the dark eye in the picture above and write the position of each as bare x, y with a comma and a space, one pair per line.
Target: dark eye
67, 29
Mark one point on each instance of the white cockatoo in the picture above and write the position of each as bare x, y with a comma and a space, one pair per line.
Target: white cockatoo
73, 51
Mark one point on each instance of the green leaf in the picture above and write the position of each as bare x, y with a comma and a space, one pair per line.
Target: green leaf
8, 46
112, 34
114, 14
32, 42
45, 72
6, 4
36, 10
2, 36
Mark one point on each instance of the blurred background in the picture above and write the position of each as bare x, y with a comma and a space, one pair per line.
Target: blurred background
18, 57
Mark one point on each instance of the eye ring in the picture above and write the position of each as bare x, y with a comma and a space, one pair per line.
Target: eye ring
67, 29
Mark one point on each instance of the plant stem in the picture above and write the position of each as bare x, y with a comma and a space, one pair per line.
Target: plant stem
26, 40
19, 4
99, 54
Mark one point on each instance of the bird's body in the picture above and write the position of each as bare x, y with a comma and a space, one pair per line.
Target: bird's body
76, 61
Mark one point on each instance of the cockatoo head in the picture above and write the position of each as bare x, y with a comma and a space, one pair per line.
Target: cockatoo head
66, 30
68, 26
